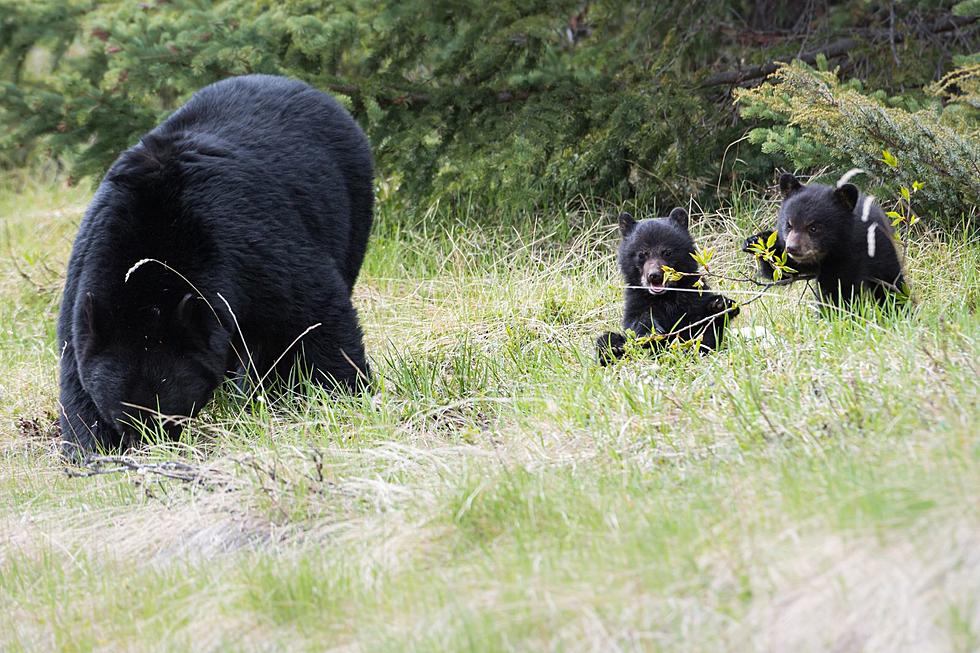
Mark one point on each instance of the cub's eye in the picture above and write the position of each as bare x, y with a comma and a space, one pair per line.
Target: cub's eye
813, 228
667, 253
641, 255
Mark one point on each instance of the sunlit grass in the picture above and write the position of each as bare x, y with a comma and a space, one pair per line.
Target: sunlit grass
811, 487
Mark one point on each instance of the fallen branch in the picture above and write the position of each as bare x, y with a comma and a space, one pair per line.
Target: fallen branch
735, 77
94, 465
836, 49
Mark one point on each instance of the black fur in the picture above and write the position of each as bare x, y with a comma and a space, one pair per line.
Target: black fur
830, 240
259, 192
651, 307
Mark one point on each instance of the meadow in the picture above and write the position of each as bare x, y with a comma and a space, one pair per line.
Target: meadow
811, 486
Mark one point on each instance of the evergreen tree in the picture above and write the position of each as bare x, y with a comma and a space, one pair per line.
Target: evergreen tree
522, 104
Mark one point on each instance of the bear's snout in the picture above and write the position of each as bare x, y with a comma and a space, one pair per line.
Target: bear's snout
801, 248
653, 276
793, 250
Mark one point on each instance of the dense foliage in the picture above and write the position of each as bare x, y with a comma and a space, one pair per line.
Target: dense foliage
821, 122
522, 104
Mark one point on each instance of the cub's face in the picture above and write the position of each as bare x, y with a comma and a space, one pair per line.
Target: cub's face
649, 245
814, 220
150, 368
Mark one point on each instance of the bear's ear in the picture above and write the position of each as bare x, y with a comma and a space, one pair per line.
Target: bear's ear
626, 224
788, 184
143, 165
847, 195
189, 314
679, 217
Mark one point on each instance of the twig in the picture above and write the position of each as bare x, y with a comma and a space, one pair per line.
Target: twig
734, 77
688, 328
95, 465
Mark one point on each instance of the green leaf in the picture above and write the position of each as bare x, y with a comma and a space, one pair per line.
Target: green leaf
771, 240
894, 214
670, 274
889, 159
704, 256
905, 193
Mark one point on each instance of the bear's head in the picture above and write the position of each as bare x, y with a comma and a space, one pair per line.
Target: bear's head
650, 245
815, 220
150, 366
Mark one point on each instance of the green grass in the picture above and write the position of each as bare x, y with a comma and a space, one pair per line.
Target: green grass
813, 489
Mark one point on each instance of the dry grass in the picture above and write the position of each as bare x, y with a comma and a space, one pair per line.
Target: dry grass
813, 489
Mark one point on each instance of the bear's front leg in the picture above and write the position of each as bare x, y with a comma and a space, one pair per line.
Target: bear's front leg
82, 428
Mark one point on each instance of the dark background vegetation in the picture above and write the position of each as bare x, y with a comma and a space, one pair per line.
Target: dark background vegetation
531, 104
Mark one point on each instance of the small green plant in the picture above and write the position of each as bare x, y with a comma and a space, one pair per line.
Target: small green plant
703, 257
817, 120
765, 250
902, 216
639, 346
670, 274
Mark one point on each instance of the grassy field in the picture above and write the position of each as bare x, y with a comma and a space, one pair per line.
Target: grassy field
814, 489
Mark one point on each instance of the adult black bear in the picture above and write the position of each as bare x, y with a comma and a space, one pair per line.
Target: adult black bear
839, 235
656, 303
257, 196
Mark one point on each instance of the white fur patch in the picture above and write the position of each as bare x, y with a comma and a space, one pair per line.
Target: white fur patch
866, 209
848, 176
871, 239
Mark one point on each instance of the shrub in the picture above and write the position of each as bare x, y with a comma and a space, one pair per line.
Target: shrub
515, 104
819, 121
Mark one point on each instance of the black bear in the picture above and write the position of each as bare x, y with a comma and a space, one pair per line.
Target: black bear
228, 240
840, 236
678, 305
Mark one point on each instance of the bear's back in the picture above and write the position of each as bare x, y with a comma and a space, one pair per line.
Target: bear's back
874, 244
300, 140
260, 163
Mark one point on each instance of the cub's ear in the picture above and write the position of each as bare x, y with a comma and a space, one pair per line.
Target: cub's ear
788, 184
847, 195
626, 224
679, 217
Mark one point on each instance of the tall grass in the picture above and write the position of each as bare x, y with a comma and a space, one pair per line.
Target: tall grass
812, 485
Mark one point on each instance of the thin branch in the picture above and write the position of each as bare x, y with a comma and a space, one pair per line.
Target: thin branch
95, 465
835, 49
734, 77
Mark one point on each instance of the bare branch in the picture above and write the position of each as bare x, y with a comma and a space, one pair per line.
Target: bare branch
835, 49
95, 465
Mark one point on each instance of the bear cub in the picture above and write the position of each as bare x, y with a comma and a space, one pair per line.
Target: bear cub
226, 242
840, 236
681, 309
